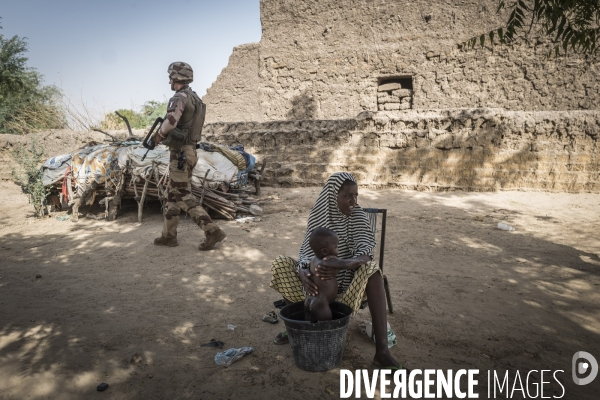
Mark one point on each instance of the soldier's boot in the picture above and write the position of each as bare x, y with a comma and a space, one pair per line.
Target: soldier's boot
163, 241
213, 237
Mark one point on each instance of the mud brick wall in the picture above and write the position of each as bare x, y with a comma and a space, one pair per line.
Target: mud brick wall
326, 59
480, 149
234, 97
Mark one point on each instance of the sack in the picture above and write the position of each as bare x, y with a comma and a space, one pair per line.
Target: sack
175, 139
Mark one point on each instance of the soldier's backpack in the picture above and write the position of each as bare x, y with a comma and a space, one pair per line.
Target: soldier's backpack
196, 123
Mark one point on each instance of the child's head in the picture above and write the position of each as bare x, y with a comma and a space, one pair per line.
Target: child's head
323, 242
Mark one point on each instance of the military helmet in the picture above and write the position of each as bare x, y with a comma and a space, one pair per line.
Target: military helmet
181, 72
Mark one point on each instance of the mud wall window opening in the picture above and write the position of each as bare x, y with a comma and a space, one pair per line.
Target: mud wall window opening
394, 93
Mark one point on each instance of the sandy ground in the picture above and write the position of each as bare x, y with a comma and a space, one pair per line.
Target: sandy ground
96, 301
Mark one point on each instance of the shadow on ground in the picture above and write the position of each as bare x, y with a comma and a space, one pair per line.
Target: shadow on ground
96, 302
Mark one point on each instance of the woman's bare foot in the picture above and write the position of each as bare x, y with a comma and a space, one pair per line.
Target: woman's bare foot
385, 359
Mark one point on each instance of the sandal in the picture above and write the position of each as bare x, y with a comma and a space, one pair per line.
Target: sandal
281, 338
213, 343
270, 317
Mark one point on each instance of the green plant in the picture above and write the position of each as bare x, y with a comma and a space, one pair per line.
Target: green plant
25, 104
138, 120
572, 25
29, 175
152, 110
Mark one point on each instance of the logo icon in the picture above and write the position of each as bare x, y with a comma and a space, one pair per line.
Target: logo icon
584, 364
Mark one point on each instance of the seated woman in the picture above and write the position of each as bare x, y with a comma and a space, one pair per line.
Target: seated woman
356, 272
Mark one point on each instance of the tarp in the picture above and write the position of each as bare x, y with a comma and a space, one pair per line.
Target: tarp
221, 168
57, 162
93, 163
53, 175
160, 155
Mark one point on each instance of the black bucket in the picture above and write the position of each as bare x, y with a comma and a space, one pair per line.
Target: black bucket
316, 347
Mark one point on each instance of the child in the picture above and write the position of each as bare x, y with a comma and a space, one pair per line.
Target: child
324, 243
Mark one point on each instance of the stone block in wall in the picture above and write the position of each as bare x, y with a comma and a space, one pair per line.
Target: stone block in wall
587, 158
382, 99
576, 167
444, 142
432, 54
286, 180
421, 143
391, 106
402, 93
388, 87
393, 142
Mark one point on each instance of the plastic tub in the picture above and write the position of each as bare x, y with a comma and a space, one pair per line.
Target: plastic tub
316, 347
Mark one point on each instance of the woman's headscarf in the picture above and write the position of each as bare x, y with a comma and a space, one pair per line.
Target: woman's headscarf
356, 236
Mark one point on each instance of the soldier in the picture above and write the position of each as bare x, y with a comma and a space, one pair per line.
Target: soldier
180, 131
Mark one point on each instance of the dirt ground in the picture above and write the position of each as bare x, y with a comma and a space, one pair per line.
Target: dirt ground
95, 301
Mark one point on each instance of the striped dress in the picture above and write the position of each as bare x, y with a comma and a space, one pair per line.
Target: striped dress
354, 232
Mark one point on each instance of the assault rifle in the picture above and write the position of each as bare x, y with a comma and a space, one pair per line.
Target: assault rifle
148, 140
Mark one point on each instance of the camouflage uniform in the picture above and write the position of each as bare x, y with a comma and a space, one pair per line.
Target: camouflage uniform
179, 195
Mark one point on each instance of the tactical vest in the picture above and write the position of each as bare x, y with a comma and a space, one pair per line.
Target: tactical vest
189, 128
192, 119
